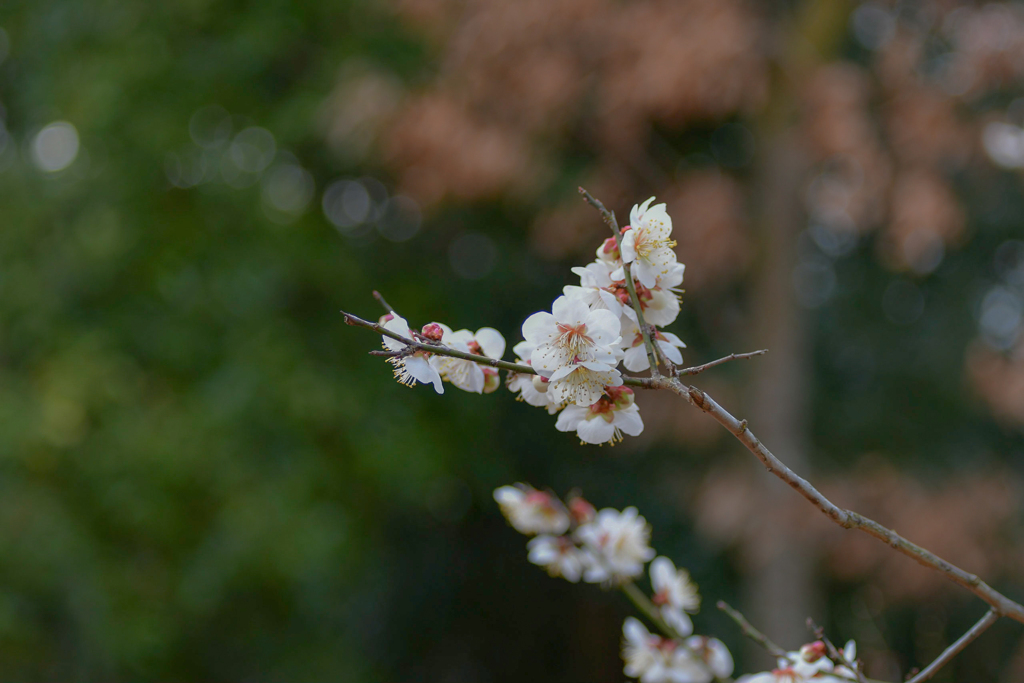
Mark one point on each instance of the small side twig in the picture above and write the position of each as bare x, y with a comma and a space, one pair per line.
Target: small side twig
382, 302
751, 632
953, 650
609, 218
697, 369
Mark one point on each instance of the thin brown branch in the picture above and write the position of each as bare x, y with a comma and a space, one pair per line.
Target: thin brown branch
441, 350
697, 369
751, 632
847, 519
953, 650
382, 302
609, 218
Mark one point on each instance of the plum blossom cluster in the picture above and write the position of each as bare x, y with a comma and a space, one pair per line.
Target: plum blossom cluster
573, 540
810, 665
593, 327
576, 349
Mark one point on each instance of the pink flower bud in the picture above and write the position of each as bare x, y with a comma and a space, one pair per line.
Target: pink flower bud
812, 652
491, 380
433, 331
581, 511
386, 317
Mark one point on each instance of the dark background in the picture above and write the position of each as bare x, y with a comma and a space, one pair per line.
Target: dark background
204, 477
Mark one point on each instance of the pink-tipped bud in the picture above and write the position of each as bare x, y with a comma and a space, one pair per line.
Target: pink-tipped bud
474, 347
609, 250
581, 511
491, 380
386, 317
812, 652
540, 383
622, 397
433, 332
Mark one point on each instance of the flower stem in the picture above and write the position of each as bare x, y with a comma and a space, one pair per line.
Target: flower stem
609, 218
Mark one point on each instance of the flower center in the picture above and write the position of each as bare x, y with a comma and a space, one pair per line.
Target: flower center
573, 338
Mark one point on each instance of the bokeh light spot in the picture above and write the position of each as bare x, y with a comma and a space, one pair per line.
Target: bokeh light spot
55, 147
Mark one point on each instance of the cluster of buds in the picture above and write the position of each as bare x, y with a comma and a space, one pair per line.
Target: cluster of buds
810, 664
608, 547
576, 349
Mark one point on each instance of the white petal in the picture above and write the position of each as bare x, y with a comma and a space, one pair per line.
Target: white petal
647, 274
548, 358
635, 632
570, 418
629, 421
670, 352
595, 431
398, 325
677, 619
635, 359
570, 310
491, 342
523, 350
602, 326
663, 571
627, 247
540, 328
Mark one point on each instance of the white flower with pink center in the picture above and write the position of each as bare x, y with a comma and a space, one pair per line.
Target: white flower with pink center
808, 665
533, 389
674, 594
661, 305
636, 360
654, 659
597, 289
647, 246
413, 367
558, 555
605, 420
575, 349
530, 511
465, 374
617, 545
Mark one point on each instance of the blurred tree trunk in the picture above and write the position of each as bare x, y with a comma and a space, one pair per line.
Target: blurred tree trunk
780, 593
779, 589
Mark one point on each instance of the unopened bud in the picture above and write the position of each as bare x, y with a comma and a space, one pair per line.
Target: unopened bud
812, 652
581, 511
540, 383
622, 397
491, 380
433, 331
609, 250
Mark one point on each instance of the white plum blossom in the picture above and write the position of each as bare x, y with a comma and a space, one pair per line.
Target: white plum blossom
558, 554
598, 290
575, 349
617, 545
530, 511
533, 389
674, 594
605, 420
661, 303
646, 246
714, 653
654, 659
465, 374
635, 358
808, 665
414, 367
